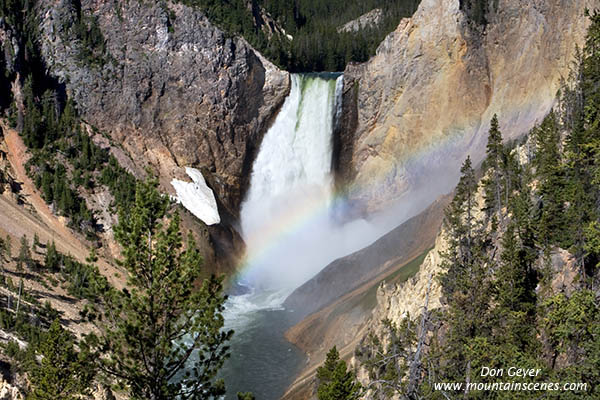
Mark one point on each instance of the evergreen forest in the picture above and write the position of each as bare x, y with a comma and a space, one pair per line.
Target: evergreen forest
317, 43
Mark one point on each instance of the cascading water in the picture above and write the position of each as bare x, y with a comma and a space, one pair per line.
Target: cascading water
290, 179
285, 220
291, 235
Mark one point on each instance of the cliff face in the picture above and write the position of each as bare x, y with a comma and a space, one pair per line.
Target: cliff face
416, 109
397, 300
173, 89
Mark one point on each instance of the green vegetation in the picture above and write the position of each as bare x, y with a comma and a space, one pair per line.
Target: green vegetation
92, 50
317, 45
65, 162
507, 298
168, 313
24, 257
81, 280
163, 336
62, 372
335, 381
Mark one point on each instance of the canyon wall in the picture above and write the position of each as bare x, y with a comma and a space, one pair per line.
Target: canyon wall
171, 88
423, 103
416, 109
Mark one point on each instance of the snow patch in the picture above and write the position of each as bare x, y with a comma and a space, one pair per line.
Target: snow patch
197, 197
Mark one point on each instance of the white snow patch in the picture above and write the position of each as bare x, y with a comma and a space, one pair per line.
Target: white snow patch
197, 197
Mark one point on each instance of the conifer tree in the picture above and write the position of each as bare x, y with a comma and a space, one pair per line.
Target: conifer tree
514, 292
465, 282
24, 254
493, 163
549, 170
36, 241
47, 187
164, 335
335, 381
52, 259
459, 223
62, 372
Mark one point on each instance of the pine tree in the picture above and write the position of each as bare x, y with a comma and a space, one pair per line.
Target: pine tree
493, 167
459, 223
324, 373
47, 187
52, 260
465, 282
335, 381
549, 170
32, 121
165, 334
36, 241
62, 373
24, 254
514, 291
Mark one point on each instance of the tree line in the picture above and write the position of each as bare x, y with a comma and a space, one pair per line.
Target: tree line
159, 338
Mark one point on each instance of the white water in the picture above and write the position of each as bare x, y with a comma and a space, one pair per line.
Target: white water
286, 216
291, 235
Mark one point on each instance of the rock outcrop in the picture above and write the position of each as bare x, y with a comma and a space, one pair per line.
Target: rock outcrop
9, 391
368, 20
172, 88
416, 109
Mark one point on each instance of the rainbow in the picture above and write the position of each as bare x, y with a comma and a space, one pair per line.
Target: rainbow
422, 165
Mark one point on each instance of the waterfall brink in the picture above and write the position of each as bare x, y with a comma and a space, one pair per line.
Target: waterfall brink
291, 186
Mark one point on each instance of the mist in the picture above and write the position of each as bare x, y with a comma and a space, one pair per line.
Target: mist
292, 222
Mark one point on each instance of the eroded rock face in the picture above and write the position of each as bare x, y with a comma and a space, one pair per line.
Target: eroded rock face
174, 90
417, 108
368, 20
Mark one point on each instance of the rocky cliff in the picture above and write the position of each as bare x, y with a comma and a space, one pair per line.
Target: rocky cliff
417, 108
170, 87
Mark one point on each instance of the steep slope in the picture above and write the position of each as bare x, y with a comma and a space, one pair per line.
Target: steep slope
412, 114
424, 101
37, 219
340, 298
343, 323
172, 88
348, 273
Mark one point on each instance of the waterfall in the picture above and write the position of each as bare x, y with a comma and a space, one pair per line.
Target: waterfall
286, 217
291, 184
290, 234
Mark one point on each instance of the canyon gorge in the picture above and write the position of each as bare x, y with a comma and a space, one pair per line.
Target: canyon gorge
320, 196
